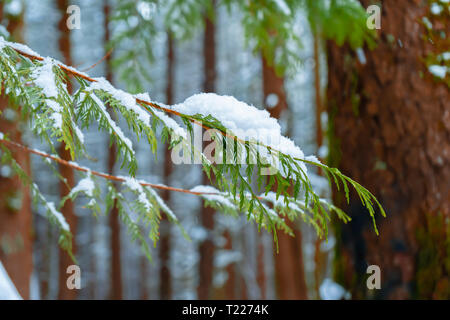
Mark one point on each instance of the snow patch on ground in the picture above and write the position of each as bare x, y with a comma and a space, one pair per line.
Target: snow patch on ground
330, 290
7, 289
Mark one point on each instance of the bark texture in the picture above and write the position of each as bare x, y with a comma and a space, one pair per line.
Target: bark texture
390, 131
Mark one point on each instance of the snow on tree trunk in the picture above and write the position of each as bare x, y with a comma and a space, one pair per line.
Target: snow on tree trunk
391, 124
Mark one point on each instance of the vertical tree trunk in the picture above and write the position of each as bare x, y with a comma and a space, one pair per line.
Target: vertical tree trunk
165, 290
15, 203
393, 123
207, 214
68, 210
114, 221
319, 257
289, 261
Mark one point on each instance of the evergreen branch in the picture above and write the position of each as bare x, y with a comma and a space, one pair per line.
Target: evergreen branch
291, 165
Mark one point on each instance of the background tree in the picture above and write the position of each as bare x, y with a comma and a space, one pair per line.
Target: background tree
68, 210
390, 131
16, 232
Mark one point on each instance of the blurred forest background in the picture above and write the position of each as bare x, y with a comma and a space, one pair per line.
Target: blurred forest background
374, 104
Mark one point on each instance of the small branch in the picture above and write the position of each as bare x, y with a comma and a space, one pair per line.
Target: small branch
96, 173
100, 61
145, 104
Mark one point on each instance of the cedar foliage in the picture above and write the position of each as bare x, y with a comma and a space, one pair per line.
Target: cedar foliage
59, 117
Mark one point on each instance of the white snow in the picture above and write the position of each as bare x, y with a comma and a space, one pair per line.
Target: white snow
111, 123
21, 47
427, 23
436, 9
330, 290
126, 99
79, 134
243, 120
212, 194
85, 186
134, 185
283, 6
438, 71
2, 43
313, 158
361, 56
56, 115
162, 205
168, 121
445, 55
58, 215
171, 124
44, 78
14, 7
272, 197
7, 289
272, 100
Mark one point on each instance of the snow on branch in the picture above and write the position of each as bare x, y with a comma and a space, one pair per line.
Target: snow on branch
248, 144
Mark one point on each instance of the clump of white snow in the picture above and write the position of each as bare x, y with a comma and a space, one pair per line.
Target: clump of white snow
436, 8
7, 289
44, 78
244, 121
126, 99
212, 194
330, 290
114, 127
438, 71
58, 215
85, 186
134, 185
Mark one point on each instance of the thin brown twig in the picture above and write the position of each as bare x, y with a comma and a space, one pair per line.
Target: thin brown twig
96, 173
100, 61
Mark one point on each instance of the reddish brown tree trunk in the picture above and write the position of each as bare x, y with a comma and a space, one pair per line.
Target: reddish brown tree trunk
114, 220
165, 288
289, 271
16, 234
68, 210
393, 123
261, 276
207, 214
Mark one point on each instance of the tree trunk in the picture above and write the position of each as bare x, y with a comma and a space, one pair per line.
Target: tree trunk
16, 234
392, 120
68, 210
289, 261
165, 288
207, 214
114, 221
